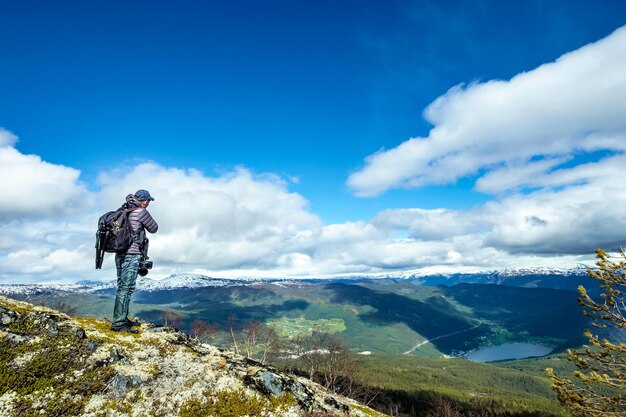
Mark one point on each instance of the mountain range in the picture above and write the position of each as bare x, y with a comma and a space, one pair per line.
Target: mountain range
525, 277
450, 314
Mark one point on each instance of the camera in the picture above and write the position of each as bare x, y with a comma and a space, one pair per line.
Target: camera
144, 266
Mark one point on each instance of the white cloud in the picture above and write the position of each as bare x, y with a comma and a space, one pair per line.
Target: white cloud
517, 174
32, 187
44, 228
438, 224
231, 221
548, 222
239, 224
573, 105
7, 138
44, 250
549, 143
573, 220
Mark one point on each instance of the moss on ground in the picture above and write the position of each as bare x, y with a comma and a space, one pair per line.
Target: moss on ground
24, 324
57, 404
50, 365
235, 404
367, 411
104, 328
53, 362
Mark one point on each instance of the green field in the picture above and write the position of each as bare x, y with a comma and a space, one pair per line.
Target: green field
301, 327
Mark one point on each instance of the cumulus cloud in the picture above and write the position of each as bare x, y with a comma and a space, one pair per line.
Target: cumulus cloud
47, 250
524, 125
33, 187
241, 224
234, 220
572, 220
548, 144
438, 224
229, 222
7, 138
43, 221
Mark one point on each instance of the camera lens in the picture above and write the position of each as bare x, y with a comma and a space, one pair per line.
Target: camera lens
144, 266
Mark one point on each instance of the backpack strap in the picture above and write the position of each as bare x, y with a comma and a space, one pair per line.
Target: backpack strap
137, 234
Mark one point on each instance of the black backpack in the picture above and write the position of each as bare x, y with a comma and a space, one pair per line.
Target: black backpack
114, 235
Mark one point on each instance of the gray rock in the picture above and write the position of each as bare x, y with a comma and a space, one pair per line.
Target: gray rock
163, 329
5, 319
121, 384
48, 325
265, 379
78, 332
336, 404
272, 383
303, 395
7, 316
17, 338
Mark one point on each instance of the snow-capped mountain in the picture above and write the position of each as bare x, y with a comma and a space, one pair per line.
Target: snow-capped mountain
522, 277
40, 289
184, 280
473, 272
173, 282
510, 272
567, 279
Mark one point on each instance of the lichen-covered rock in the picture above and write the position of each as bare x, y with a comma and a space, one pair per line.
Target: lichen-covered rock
120, 385
275, 384
7, 316
271, 383
55, 365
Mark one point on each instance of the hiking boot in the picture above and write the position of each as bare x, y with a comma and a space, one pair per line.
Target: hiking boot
124, 329
132, 323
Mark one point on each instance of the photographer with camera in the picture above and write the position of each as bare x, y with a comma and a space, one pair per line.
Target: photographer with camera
134, 261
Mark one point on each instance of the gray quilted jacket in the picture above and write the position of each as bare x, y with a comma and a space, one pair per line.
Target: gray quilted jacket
141, 221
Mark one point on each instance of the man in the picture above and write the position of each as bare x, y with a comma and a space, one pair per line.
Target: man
128, 263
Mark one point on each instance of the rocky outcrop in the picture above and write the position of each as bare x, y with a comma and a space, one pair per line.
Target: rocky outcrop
55, 365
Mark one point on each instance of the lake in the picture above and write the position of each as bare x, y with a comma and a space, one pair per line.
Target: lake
508, 351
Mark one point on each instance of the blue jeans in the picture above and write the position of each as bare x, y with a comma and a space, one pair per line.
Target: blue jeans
127, 268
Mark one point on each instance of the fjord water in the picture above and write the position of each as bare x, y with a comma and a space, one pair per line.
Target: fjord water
509, 351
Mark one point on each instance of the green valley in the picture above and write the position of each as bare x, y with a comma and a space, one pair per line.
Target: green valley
412, 338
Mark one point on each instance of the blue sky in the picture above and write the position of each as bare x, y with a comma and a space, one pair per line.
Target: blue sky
316, 102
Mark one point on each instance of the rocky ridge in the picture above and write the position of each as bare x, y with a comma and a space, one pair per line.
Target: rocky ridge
52, 364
